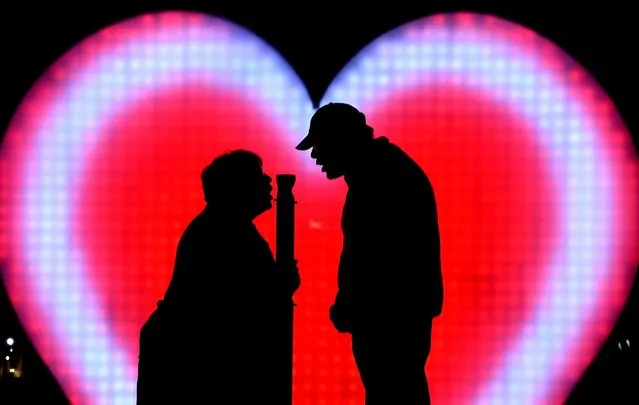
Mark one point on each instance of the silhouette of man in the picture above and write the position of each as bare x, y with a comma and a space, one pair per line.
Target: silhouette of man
218, 333
389, 278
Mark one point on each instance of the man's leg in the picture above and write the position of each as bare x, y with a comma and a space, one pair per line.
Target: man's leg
150, 370
392, 367
410, 383
364, 354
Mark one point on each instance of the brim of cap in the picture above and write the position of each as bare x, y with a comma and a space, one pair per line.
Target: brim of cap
306, 144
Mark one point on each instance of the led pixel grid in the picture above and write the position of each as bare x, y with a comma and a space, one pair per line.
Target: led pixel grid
534, 173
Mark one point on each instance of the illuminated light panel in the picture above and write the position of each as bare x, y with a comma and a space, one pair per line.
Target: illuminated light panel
482, 104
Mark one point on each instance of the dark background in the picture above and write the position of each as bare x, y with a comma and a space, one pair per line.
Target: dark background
318, 39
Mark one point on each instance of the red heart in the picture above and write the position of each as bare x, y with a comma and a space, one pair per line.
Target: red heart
501, 196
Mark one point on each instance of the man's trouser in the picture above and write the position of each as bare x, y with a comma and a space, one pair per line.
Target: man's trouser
391, 364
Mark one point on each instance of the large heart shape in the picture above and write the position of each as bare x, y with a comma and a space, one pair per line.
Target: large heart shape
533, 169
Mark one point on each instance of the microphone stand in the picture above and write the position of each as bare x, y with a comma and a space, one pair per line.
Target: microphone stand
285, 254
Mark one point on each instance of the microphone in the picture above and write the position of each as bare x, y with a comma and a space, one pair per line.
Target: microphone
285, 219
285, 254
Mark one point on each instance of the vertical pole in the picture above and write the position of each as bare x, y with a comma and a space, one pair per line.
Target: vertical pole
285, 254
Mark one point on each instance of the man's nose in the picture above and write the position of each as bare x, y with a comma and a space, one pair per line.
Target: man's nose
313, 153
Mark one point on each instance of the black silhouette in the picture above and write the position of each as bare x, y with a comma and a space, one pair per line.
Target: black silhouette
285, 253
389, 279
219, 335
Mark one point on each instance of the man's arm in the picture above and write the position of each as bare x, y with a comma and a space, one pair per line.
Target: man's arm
341, 311
398, 254
288, 277
404, 249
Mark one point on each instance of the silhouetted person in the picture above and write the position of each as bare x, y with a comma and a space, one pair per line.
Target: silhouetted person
389, 278
217, 335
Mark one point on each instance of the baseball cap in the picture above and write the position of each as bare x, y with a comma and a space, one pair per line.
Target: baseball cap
330, 120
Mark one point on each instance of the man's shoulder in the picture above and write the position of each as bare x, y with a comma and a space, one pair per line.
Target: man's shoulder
395, 162
406, 177
204, 229
196, 225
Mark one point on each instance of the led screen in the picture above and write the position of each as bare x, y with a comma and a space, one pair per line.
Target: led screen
533, 170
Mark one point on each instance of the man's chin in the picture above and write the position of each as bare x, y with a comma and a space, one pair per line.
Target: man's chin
266, 207
333, 176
